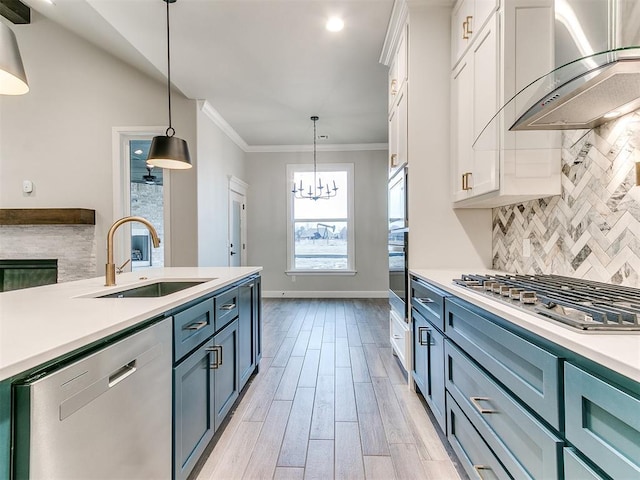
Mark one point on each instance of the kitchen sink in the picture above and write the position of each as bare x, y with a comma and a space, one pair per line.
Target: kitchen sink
156, 289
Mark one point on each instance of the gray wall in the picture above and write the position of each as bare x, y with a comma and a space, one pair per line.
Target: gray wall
267, 217
218, 157
59, 135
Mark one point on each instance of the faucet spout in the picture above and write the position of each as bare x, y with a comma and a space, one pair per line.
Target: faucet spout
110, 267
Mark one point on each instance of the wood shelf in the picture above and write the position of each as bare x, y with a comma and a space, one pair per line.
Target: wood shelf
47, 216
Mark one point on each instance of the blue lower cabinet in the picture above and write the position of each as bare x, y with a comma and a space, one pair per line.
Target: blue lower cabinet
419, 372
476, 457
603, 422
529, 371
225, 368
193, 404
428, 365
526, 448
575, 468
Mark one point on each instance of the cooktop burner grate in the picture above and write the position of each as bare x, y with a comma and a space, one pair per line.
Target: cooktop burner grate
582, 304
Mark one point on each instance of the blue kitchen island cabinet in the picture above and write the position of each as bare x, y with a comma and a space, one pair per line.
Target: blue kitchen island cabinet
205, 366
207, 380
249, 327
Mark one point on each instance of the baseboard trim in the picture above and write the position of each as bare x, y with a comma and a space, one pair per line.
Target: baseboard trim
324, 294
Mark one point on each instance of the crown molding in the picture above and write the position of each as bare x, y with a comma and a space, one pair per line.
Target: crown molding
399, 14
221, 123
347, 147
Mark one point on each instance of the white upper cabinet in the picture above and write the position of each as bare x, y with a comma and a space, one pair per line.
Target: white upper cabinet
492, 166
467, 19
398, 92
398, 70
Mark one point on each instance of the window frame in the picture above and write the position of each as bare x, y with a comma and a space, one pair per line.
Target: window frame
292, 169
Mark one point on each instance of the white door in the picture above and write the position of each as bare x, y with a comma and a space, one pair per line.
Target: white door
237, 215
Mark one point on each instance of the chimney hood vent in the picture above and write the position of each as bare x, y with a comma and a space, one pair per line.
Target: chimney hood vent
585, 93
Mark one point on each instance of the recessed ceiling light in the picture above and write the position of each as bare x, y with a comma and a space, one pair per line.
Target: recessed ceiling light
335, 24
612, 114
138, 152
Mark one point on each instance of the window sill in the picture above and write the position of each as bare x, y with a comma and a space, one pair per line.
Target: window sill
292, 273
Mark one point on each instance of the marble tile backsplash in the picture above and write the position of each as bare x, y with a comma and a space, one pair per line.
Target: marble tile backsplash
592, 229
73, 245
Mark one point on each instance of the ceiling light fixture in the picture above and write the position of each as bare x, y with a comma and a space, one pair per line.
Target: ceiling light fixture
13, 80
316, 190
334, 24
168, 151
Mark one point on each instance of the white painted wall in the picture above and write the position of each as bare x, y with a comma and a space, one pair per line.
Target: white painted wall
218, 157
59, 135
439, 237
267, 219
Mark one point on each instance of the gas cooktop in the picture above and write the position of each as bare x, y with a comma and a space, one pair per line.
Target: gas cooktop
582, 304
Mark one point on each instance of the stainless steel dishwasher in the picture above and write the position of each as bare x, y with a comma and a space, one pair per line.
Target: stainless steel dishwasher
105, 416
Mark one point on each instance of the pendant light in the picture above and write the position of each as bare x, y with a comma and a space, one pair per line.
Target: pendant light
13, 80
169, 151
316, 190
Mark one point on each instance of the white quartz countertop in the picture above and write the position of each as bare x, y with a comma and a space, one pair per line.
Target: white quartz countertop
617, 351
42, 323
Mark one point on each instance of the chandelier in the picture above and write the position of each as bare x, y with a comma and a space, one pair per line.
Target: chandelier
316, 190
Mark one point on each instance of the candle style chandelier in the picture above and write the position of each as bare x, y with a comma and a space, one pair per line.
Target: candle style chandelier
316, 190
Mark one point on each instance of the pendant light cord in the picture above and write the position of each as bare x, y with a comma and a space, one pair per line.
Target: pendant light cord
170, 129
315, 119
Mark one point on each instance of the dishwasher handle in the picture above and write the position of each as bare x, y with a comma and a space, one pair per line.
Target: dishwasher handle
122, 373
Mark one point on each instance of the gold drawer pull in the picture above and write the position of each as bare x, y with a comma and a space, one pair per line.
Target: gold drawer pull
465, 35
196, 326
466, 185
479, 468
217, 349
394, 159
394, 87
468, 26
475, 401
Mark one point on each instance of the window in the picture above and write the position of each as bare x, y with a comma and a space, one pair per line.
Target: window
320, 232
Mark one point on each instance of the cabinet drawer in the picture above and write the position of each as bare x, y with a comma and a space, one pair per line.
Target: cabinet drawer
525, 447
226, 307
429, 301
602, 422
191, 327
576, 468
476, 457
527, 370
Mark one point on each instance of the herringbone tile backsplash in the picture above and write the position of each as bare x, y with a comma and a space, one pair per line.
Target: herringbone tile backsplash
592, 229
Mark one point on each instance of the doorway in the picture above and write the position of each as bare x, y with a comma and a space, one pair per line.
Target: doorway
139, 191
237, 222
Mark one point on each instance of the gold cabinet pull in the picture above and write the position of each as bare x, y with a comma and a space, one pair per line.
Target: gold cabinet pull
466, 185
465, 34
394, 87
394, 159
468, 30
475, 401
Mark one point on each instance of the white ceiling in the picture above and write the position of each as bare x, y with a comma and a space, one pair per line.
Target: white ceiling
265, 65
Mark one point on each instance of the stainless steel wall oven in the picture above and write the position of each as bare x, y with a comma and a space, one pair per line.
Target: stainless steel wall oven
398, 243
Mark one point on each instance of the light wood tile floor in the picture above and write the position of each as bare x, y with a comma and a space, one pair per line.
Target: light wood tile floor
330, 401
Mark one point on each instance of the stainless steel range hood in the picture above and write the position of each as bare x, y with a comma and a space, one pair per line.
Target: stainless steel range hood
585, 93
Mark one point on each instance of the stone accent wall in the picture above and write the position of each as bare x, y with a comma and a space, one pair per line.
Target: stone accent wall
73, 245
147, 202
591, 230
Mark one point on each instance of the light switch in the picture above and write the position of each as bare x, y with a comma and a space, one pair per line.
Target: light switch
27, 186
